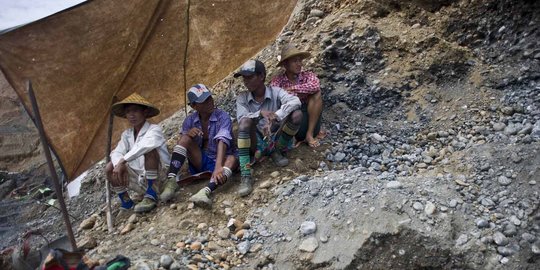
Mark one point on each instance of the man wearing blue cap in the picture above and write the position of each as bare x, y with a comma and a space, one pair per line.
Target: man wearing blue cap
268, 118
207, 143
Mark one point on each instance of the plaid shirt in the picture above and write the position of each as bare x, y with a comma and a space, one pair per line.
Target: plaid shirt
306, 84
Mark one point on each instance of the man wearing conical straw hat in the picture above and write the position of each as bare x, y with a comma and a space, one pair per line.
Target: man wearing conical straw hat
136, 160
305, 85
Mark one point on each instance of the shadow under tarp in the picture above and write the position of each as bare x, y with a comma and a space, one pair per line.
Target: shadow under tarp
78, 59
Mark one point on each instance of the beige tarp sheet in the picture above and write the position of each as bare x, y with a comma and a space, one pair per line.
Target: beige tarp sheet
80, 58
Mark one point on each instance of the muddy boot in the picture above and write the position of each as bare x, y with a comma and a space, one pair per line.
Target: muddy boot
279, 159
246, 185
202, 198
169, 188
145, 205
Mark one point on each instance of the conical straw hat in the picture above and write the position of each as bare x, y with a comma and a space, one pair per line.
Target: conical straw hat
290, 51
118, 108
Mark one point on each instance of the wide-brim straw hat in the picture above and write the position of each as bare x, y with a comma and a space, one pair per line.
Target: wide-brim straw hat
118, 108
290, 51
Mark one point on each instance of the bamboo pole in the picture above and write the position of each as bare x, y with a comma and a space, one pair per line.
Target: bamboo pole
108, 159
47, 151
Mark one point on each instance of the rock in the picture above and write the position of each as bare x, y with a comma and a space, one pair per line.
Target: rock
500, 239
377, 138
88, 223
507, 110
453, 203
256, 248
274, 174
462, 240
504, 181
482, 223
224, 233
129, 227
142, 266
229, 212
202, 226
308, 227
316, 13
195, 245
132, 218
339, 156
309, 245
535, 132
175, 266
243, 247
499, 126
535, 248
240, 234
506, 251
432, 135
154, 242
323, 238
430, 208
394, 185
418, 206
165, 261
528, 237
87, 243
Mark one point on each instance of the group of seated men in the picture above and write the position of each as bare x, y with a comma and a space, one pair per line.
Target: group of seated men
269, 117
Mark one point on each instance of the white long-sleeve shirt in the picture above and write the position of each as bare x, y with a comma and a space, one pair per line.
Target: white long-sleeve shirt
275, 100
132, 149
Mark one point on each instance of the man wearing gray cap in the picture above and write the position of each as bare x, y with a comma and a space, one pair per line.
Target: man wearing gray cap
268, 118
207, 143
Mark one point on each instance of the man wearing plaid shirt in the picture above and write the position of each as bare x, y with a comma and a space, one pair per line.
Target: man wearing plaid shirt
305, 85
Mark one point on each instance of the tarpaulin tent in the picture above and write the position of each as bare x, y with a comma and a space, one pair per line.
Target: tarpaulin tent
78, 59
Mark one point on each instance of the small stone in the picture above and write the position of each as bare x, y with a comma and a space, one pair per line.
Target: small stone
507, 110
453, 203
229, 212
132, 219
323, 238
88, 223
165, 261
482, 223
432, 135
535, 248
316, 13
430, 208
243, 247
202, 226
224, 233
309, 245
504, 181
240, 233
528, 237
129, 227
87, 243
500, 239
515, 220
506, 251
339, 156
195, 245
462, 240
418, 206
499, 126
256, 248
308, 227
154, 242
181, 244
274, 174
394, 185
175, 266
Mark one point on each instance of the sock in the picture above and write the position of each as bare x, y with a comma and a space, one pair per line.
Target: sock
212, 185
125, 200
177, 160
287, 133
244, 143
151, 176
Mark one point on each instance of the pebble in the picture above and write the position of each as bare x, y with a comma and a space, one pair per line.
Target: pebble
309, 244
506, 251
528, 237
224, 233
165, 261
316, 13
482, 223
500, 239
462, 240
175, 266
504, 181
453, 203
418, 206
430, 208
243, 247
154, 242
499, 126
195, 245
323, 238
308, 227
394, 185
274, 174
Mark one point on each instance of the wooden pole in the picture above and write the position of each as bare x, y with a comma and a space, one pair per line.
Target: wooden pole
54, 176
108, 159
